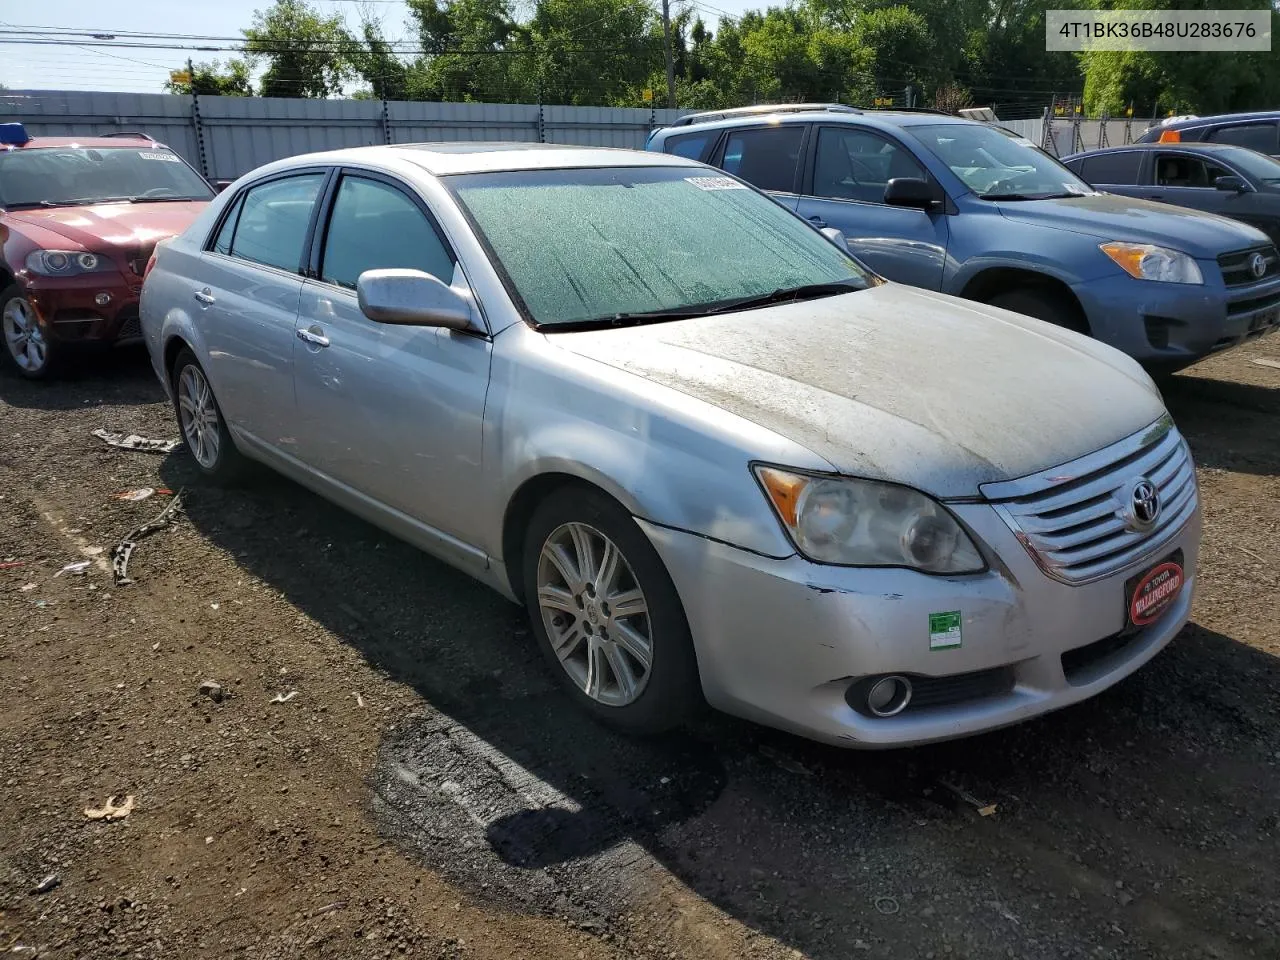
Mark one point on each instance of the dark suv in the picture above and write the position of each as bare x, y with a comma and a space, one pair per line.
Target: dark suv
1257, 131
969, 208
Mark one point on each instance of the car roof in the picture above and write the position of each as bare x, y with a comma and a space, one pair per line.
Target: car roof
1214, 121
1186, 146
445, 159
783, 114
96, 143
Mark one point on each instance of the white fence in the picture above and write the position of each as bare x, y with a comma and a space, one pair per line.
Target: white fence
1070, 136
226, 136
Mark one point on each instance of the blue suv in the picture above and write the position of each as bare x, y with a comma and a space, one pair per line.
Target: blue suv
969, 208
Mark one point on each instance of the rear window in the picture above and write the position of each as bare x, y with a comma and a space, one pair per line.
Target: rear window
767, 157
1119, 168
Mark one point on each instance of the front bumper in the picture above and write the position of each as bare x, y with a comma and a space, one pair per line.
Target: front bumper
1174, 324
780, 641
70, 313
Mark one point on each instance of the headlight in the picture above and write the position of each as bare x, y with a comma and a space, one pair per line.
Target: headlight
1146, 261
65, 263
868, 524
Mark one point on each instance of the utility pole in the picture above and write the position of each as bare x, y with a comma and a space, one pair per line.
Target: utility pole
671, 66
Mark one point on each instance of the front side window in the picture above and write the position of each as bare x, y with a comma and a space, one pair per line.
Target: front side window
1179, 170
1119, 168
1255, 136
853, 164
71, 176
376, 226
602, 244
997, 165
273, 220
767, 157
1259, 167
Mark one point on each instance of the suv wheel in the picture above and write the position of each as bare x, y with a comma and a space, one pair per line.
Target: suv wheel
24, 340
1042, 305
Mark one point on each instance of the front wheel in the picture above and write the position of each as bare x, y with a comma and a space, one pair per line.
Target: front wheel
1042, 304
24, 339
606, 614
203, 428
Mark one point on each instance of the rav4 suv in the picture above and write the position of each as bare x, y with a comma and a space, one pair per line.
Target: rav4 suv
79, 219
971, 209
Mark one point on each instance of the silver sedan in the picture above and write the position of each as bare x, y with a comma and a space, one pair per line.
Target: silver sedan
713, 455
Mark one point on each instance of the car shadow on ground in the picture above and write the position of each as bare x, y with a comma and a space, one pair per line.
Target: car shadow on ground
1227, 424
120, 376
1159, 786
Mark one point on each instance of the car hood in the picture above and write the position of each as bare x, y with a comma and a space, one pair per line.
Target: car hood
895, 383
1110, 216
126, 225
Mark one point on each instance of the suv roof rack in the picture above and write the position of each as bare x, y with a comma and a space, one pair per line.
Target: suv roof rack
707, 115
131, 133
940, 113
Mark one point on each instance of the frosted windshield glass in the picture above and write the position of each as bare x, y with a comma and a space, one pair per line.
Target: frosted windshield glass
596, 243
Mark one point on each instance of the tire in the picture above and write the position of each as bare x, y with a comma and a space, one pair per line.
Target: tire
1041, 304
203, 428
31, 353
604, 650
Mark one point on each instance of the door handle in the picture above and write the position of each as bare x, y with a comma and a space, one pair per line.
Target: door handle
315, 339
205, 297
818, 222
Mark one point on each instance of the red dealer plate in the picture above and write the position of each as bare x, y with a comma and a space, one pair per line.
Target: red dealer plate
1151, 593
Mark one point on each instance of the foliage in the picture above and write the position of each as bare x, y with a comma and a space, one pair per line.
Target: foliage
212, 80
307, 53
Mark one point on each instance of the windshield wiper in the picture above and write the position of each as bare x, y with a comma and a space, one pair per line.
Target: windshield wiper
1029, 196
809, 291
163, 199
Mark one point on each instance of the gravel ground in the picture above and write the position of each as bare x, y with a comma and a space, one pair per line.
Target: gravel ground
426, 792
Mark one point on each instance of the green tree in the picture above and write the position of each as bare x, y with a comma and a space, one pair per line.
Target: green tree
213, 80
487, 70
899, 46
378, 65
307, 53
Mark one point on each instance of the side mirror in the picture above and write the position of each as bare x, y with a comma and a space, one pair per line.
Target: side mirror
836, 237
1236, 184
220, 185
413, 298
910, 192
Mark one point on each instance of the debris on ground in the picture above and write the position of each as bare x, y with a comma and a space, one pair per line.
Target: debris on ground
984, 809
27, 587
1265, 362
780, 759
330, 908
78, 566
211, 689
133, 441
51, 882
133, 496
359, 699
887, 905
111, 810
10, 564
123, 550
283, 697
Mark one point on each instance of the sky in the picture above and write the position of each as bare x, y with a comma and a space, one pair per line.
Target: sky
36, 67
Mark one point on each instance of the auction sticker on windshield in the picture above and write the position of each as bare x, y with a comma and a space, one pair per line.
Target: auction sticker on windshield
159, 155
716, 183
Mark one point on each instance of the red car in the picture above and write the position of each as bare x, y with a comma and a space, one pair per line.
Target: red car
79, 218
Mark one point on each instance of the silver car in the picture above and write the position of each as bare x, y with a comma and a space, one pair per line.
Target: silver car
712, 454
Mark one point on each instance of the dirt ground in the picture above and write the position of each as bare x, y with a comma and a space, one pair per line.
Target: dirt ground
428, 793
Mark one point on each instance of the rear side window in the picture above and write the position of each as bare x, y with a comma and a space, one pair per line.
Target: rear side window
376, 226
767, 157
222, 243
1255, 136
691, 145
1119, 168
271, 228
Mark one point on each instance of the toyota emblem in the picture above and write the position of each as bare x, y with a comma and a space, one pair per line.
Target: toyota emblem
1258, 265
1143, 508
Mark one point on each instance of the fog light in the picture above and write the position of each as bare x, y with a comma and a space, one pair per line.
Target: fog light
889, 696
102, 299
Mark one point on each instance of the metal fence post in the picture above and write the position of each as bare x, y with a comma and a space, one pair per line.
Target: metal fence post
199, 128
386, 122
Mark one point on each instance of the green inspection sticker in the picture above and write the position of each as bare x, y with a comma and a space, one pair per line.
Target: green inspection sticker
944, 630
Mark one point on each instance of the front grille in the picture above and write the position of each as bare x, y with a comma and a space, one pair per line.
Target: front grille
1079, 665
1265, 305
1237, 269
959, 688
1075, 519
131, 328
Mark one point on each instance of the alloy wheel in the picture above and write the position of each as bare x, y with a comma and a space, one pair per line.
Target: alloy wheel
23, 336
596, 614
199, 416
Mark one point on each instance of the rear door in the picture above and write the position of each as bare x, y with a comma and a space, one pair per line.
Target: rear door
393, 412
1118, 171
246, 301
847, 169
767, 157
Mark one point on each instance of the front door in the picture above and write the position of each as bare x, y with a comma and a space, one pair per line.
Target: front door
391, 412
245, 297
844, 188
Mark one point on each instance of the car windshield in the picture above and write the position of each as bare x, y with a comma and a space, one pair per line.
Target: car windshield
54, 176
601, 244
1257, 165
998, 165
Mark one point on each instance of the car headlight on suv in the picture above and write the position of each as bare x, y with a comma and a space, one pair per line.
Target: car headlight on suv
864, 523
66, 263
1146, 261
